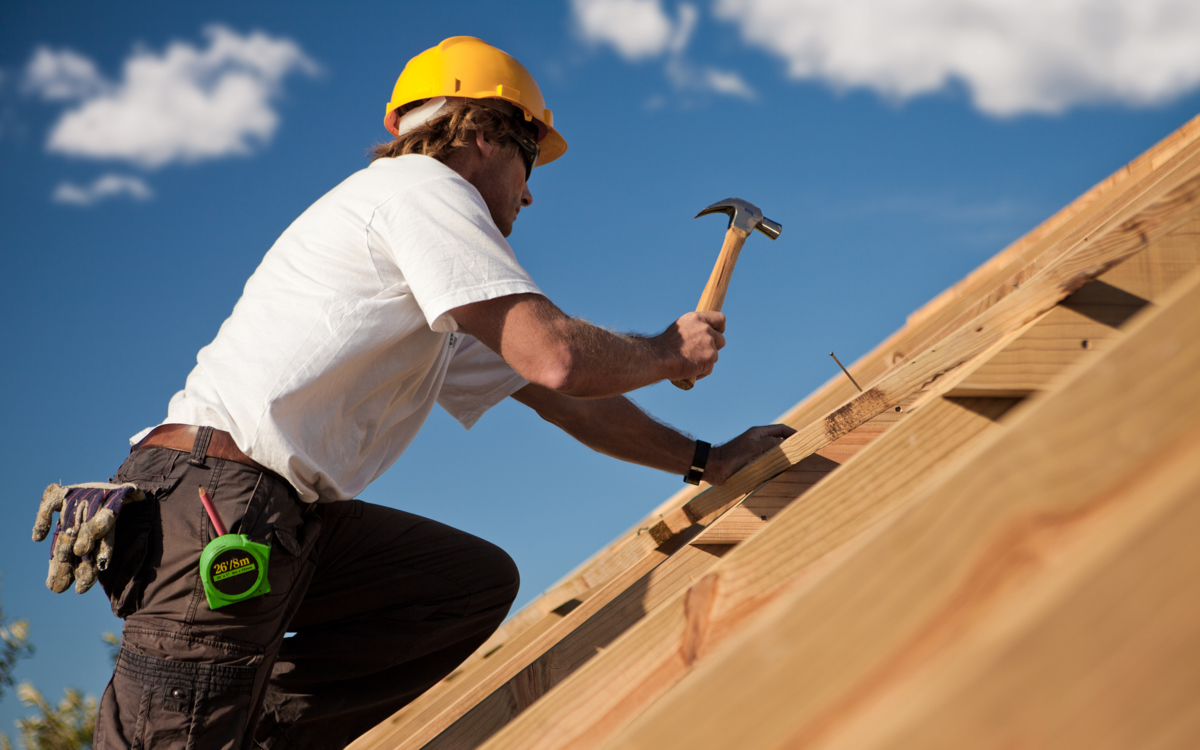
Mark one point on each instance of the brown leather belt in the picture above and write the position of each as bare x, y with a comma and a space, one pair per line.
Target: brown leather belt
182, 437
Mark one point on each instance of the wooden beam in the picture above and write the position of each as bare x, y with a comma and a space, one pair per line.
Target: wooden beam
646, 661
611, 570
1150, 274
1088, 321
996, 544
1121, 236
464, 719
428, 715
1080, 328
748, 517
994, 279
480, 719
983, 287
1103, 653
560, 720
463, 716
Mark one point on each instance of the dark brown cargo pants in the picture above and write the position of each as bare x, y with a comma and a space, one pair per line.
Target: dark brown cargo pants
382, 605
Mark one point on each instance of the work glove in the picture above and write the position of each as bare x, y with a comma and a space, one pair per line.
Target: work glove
87, 524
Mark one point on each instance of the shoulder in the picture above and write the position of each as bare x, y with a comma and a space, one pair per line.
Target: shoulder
415, 189
416, 173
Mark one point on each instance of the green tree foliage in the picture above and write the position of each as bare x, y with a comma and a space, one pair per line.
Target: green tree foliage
14, 645
67, 726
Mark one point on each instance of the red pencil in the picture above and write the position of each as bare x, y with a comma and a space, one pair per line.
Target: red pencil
212, 513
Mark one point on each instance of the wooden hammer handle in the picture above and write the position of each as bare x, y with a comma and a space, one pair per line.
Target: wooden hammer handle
718, 283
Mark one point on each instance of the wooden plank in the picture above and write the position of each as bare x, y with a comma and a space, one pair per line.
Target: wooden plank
982, 287
985, 536
649, 659
1087, 321
478, 720
749, 517
1101, 652
568, 707
1080, 328
991, 281
424, 718
513, 692
481, 719
1150, 274
632, 548
1092, 258
1122, 236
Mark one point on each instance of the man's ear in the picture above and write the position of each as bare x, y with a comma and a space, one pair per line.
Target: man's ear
486, 147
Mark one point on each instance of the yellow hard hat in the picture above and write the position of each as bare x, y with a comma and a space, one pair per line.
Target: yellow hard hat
469, 67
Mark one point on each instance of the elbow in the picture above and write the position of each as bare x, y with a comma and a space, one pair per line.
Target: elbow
564, 373
555, 370
564, 362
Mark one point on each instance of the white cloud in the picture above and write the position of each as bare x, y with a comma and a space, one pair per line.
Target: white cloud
184, 105
1013, 56
688, 77
62, 76
641, 29
637, 29
107, 186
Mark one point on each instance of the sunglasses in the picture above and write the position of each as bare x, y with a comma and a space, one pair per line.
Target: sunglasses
529, 152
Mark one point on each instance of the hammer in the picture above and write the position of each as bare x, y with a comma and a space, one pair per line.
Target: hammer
744, 217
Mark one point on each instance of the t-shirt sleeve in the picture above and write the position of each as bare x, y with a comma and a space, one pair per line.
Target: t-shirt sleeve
476, 380
441, 236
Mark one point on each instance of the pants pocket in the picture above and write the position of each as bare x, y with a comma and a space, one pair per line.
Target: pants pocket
138, 543
124, 581
159, 703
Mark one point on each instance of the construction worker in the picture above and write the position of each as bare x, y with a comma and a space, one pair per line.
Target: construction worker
395, 291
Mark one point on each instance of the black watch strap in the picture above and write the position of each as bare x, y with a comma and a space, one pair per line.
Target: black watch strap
699, 461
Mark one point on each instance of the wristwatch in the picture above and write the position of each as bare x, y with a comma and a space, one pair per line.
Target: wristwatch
699, 461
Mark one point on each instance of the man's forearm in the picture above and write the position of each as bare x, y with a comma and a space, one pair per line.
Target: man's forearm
599, 363
614, 426
617, 427
577, 358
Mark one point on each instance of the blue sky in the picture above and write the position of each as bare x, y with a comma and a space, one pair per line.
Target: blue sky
150, 154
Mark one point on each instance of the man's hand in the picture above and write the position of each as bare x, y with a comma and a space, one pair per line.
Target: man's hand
87, 525
725, 460
696, 337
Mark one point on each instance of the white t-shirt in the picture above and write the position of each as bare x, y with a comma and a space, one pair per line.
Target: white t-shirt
341, 342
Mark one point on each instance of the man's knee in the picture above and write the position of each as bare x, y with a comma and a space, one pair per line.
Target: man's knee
498, 574
509, 575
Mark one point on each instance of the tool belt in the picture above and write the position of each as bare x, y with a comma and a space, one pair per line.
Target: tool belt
183, 437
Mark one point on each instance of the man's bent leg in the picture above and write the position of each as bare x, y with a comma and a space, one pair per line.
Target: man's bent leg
397, 602
188, 675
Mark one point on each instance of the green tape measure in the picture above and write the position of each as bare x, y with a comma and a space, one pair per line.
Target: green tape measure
234, 569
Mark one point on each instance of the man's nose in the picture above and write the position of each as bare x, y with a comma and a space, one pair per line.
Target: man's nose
526, 196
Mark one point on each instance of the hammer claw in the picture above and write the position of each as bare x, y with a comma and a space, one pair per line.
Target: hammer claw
744, 218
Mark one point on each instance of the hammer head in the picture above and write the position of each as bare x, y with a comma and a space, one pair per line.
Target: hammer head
745, 216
